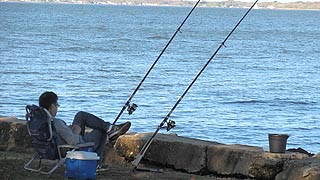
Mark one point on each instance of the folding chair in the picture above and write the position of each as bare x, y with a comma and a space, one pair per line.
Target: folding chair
43, 136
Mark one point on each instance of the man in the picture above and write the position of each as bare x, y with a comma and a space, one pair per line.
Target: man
101, 133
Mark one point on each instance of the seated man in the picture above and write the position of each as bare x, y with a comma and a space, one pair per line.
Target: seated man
101, 132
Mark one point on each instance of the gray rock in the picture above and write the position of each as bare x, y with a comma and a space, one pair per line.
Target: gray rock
305, 169
178, 152
188, 154
232, 159
14, 135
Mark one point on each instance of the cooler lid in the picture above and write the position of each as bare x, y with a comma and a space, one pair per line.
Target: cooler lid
82, 155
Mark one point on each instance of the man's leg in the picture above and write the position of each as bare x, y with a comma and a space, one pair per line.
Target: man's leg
99, 138
84, 119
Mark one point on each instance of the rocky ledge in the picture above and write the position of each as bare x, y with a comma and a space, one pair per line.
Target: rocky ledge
188, 155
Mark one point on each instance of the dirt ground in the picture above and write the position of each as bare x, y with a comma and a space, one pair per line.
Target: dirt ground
11, 168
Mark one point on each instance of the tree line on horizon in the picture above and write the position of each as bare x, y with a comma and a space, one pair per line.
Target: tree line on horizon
218, 4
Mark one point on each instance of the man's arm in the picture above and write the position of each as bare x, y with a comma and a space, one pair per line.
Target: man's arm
66, 133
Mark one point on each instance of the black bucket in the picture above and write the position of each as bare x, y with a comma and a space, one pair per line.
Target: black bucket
278, 143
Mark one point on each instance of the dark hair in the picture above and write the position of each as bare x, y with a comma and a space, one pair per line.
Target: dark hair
47, 98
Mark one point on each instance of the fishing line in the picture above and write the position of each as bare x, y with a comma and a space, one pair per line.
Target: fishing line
132, 107
171, 124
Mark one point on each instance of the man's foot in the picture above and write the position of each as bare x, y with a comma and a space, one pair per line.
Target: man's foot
118, 130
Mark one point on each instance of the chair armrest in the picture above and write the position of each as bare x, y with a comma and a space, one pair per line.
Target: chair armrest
77, 146
87, 144
67, 146
73, 147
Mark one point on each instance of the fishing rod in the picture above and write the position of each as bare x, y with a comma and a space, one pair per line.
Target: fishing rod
132, 107
171, 124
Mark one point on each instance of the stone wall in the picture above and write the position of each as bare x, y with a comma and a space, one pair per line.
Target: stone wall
14, 135
205, 157
188, 155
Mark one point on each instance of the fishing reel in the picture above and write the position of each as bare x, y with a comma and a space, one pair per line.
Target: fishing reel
131, 108
171, 124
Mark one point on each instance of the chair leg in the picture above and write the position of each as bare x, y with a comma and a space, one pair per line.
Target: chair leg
39, 167
59, 163
26, 166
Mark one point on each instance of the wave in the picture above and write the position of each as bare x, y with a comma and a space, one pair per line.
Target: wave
295, 102
156, 37
273, 102
249, 101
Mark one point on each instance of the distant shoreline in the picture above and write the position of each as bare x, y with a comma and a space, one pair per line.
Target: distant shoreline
223, 4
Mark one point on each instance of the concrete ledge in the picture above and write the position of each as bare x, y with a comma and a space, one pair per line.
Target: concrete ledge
197, 156
168, 150
188, 154
305, 169
232, 159
14, 135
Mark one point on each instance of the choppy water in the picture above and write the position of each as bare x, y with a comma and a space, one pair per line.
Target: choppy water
266, 79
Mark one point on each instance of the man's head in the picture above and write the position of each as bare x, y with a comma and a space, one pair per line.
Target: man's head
49, 100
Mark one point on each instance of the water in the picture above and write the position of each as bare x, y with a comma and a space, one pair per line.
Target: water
266, 79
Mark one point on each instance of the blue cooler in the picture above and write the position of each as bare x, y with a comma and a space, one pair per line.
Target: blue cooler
81, 165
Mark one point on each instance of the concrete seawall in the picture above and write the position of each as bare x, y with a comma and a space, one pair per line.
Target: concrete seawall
188, 155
